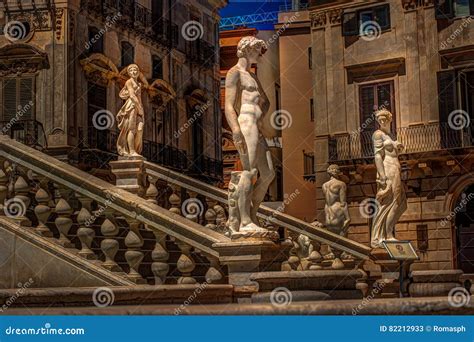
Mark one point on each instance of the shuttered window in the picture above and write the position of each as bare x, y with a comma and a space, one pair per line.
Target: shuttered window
375, 97
356, 22
18, 98
448, 9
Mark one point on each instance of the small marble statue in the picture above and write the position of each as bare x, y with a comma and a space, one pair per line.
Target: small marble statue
391, 196
130, 118
337, 214
245, 106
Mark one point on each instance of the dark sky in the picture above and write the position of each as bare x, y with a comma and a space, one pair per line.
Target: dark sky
244, 7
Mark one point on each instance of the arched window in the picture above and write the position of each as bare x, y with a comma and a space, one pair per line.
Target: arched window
128, 54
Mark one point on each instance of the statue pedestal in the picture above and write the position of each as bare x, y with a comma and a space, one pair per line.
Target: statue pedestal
129, 173
255, 235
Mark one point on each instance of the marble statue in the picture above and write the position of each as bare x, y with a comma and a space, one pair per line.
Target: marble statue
245, 106
130, 118
337, 214
391, 197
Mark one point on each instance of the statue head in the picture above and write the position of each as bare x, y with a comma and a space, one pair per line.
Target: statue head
133, 70
334, 170
251, 48
383, 117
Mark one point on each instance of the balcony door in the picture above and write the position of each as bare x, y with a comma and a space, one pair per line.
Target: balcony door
464, 225
96, 101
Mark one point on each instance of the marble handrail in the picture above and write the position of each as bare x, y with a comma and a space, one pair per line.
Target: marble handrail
293, 224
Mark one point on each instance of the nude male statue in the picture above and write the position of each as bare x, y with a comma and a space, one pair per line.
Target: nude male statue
245, 106
337, 214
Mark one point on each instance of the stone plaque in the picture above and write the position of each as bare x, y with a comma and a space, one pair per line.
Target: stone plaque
400, 250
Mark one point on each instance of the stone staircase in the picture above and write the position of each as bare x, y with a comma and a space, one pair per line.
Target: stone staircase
99, 228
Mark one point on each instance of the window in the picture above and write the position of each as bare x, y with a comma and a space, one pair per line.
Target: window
448, 9
19, 98
310, 58
96, 41
308, 166
311, 109
373, 97
157, 68
367, 20
128, 54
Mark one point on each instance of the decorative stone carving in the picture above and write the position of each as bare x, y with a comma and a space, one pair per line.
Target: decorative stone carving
130, 118
318, 19
337, 214
246, 104
391, 196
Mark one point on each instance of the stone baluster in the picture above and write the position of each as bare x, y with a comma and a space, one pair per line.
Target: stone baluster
175, 200
214, 274
110, 245
17, 206
43, 212
151, 192
210, 216
85, 233
64, 222
221, 219
185, 264
134, 255
4, 180
160, 256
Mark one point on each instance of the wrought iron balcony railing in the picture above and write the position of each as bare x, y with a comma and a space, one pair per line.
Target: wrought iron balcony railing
99, 147
416, 139
135, 17
28, 132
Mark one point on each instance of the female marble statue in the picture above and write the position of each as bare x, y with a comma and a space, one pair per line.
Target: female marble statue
391, 197
130, 118
245, 106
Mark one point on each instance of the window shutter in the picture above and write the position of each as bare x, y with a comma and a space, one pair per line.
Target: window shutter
444, 9
9, 96
382, 16
350, 26
367, 104
471, 7
447, 94
26, 101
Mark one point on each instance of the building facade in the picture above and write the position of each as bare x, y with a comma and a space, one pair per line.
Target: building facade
65, 62
414, 58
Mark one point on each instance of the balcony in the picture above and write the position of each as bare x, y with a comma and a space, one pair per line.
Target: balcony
28, 132
134, 16
100, 148
201, 52
416, 139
